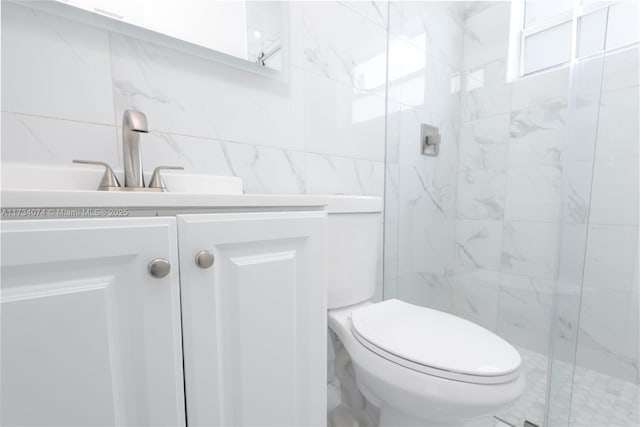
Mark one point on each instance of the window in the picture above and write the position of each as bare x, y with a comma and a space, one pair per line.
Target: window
550, 33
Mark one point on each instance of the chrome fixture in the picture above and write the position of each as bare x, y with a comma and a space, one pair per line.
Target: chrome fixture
159, 268
262, 58
204, 259
429, 140
109, 181
156, 178
133, 123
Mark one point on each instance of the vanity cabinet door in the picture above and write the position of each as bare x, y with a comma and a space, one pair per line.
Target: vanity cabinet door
89, 337
254, 321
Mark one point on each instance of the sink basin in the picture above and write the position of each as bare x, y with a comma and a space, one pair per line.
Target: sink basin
39, 186
16, 176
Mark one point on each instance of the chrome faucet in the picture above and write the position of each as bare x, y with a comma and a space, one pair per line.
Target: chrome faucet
133, 123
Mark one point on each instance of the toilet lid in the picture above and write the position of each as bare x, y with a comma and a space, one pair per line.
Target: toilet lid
433, 339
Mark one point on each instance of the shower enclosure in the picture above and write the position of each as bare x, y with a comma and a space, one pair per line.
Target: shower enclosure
526, 222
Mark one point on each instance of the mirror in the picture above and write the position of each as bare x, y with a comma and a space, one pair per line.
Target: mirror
247, 34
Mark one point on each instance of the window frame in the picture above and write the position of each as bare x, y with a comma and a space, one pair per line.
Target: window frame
519, 33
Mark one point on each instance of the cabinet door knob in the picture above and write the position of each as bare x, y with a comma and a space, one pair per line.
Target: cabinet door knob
159, 268
204, 259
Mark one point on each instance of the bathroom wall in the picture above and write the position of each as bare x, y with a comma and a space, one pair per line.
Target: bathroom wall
602, 156
65, 86
477, 230
425, 60
527, 148
508, 200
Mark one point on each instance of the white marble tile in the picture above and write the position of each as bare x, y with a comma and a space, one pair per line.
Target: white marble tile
486, 36
582, 128
427, 183
390, 261
586, 76
393, 129
618, 129
485, 101
355, 58
434, 27
481, 195
196, 155
426, 243
407, 65
475, 296
614, 197
183, 94
537, 135
603, 341
479, 244
632, 331
531, 405
544, 88
576, 182
601, 399
621, 69
483, 144
530, 248
296, 33
36, 139
341, 121
266, 170
491, 73
427, 188
417, 79
533, 194
340, 175
391, 193
375, 11
571, 260
525, 310
427, 289
474, 7
56, 67
612, 253
564, 334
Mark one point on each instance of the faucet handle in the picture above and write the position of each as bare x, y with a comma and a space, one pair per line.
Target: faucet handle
109, 179
156, 178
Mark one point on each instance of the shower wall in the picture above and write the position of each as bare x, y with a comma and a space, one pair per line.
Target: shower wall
476, 231
515, 146
509, 185
424, 77
602, 156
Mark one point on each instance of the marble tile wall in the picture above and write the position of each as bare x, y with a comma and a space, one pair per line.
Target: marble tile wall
607, 332
65, 85
425, 46
529, 150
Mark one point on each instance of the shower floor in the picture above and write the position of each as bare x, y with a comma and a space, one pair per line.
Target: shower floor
598, 400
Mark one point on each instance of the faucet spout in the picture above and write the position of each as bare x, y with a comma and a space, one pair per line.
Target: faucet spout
133, 123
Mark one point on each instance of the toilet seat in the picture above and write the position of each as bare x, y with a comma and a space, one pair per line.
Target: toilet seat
435, 343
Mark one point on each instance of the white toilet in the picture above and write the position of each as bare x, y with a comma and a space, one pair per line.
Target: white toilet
401, 364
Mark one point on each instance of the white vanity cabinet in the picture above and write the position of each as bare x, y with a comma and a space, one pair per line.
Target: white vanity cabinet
255, 321
88, 336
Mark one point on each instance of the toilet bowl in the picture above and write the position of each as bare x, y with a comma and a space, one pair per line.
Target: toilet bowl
396, 374
410, 365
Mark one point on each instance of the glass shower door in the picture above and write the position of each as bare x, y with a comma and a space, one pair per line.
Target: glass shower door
593, 367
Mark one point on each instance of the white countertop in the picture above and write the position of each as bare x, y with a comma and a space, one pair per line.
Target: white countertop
87, 199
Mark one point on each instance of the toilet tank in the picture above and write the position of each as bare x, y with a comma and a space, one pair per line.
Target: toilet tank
354, 238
